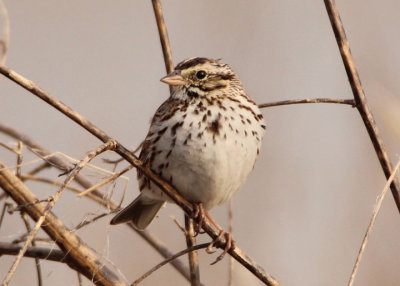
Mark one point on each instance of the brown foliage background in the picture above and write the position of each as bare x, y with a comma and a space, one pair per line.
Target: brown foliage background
303, 212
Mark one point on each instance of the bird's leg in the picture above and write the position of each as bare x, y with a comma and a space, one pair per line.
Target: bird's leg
199, 214
230, 243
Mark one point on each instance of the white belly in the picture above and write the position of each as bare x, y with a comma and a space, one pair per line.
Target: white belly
207, 166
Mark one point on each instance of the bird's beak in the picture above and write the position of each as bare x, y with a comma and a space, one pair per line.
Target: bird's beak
174, 78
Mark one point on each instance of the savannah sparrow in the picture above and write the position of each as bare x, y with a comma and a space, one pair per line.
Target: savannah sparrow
204, 140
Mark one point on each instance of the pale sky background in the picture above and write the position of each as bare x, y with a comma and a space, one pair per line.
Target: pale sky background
303, 212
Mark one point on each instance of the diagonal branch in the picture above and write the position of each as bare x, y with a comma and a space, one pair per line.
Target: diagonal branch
360, 98
235, 252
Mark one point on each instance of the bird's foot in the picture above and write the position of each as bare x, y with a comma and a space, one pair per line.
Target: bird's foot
230, 243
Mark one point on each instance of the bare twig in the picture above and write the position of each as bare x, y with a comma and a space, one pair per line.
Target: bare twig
105, 182
230, 229
162, 31
192, 255
45, 253
308, 100
164, 251
39, 168
87, 222
3, 211
106, 146
83, 257
360, 98
235, 251
47, 181
372, 222
4, 32
78, 255
61, 164
188, 250
37, 260
169, 66
79, 279
19, 159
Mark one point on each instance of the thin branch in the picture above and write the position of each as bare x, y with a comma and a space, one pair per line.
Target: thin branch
19, 159
377, 207
169, 66
188, 250
235, 251
4, 32
87, 222
48, 181
105, 182
6, 205
360, 98
79, 278
230, 229
39, 168
37, 260
164, 251
81, 257
61, 164
44, 253
162, 31
192, 255
308, 100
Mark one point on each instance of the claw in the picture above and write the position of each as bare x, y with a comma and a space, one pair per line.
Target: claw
229, 244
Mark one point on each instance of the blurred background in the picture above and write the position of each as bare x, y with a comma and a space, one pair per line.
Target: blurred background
303, 212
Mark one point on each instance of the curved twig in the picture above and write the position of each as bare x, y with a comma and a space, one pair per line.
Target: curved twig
187, 250
308, 100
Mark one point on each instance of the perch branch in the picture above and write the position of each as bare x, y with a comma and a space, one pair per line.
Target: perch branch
236, 252
360, 98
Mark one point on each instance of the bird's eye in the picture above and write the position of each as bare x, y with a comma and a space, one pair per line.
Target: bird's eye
201, 74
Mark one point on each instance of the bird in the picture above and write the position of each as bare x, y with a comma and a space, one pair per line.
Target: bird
204, 140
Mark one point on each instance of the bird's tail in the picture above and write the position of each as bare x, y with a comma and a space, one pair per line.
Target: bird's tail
141, 212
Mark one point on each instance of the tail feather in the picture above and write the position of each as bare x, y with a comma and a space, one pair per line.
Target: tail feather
141, 212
